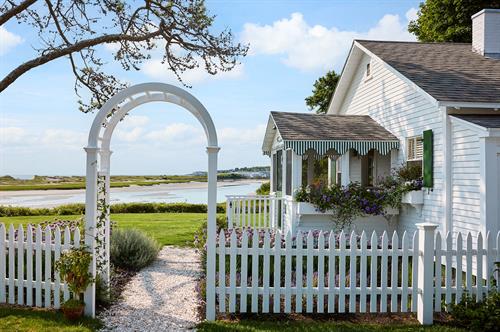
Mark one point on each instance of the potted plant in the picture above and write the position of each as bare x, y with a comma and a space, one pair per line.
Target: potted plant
73, 267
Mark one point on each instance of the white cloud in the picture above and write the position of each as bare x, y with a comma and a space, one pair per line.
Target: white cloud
131, 121
412, 14
63, 138
10, 135
130, 135
232, 135
8, 40
309, 47
155, 69
177, 132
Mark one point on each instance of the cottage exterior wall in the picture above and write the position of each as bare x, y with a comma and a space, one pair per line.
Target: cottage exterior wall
405, 112
465, 180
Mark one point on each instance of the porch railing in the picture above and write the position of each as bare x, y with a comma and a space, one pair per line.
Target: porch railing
254, 211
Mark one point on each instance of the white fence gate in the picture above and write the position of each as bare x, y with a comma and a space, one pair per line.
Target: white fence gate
27, 274
261, 271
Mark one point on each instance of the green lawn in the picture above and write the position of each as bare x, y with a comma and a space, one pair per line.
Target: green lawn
167, 228
40, 320
313, 326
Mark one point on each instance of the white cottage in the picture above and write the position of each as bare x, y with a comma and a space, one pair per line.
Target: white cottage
437, 104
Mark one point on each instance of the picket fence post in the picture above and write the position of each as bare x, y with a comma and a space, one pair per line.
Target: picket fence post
425, 308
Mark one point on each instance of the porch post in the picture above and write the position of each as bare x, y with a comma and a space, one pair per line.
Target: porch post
332, 170
90, 219
283, 173
211, 230
271, 174
296, 171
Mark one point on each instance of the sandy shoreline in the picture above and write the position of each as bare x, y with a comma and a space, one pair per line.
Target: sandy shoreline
55, 197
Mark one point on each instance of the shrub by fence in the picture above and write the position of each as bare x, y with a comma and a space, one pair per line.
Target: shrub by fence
27, 274
263, 271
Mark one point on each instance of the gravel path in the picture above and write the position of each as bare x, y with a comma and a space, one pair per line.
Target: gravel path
160, 297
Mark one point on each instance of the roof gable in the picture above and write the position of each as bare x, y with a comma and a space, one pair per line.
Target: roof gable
447, 72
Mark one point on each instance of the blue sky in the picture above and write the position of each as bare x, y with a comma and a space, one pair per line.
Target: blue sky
292, 43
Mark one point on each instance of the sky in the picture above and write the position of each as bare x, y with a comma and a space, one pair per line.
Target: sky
292, 43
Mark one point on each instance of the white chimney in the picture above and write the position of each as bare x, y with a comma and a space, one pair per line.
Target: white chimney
486, 33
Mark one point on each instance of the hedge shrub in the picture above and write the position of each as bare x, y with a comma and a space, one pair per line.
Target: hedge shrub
79, 209
132, 249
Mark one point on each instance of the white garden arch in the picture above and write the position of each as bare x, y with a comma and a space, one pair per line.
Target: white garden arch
98, 167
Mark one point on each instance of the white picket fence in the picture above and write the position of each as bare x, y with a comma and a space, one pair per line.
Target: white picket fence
260, 271
27, 274
257, 211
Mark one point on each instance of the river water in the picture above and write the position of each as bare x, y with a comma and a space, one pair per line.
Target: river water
194, 192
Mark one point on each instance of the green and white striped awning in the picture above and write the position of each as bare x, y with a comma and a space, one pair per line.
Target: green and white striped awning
326, 134
301, 147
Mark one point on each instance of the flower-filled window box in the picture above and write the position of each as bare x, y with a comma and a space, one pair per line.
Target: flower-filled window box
414, 197
305, 208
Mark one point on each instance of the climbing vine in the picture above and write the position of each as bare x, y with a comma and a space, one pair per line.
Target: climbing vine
102, 217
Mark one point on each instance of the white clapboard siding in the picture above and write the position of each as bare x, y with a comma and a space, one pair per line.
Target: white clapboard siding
27, 258
405, 112
347, 273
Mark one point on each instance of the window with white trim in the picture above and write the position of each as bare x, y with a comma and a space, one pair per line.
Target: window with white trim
414, 148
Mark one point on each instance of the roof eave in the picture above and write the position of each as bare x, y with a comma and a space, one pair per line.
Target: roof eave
343, 84
468, 104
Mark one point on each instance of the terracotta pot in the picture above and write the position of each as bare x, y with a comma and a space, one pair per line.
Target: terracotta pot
73, 313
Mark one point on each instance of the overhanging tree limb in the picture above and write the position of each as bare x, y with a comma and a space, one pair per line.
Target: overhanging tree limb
20, 70
15, 10
182, 29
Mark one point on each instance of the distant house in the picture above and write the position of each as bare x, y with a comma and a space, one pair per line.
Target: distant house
396, 102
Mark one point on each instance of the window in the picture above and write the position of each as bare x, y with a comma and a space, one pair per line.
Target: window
288, 184
368, 169
338, 167
414, 148
414, 151
279, 170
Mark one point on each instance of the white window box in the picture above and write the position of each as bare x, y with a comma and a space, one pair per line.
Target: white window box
414, 198
304, 208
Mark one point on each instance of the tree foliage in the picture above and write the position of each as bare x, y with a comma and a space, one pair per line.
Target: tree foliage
180, 29
447, 20
323, 90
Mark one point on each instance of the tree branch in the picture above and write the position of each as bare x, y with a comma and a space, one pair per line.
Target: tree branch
20, 70
15, 11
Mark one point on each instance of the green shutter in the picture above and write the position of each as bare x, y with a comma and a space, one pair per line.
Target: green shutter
428, 159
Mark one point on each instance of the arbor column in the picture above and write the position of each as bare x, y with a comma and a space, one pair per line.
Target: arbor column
90, 221
211, 230
105, 172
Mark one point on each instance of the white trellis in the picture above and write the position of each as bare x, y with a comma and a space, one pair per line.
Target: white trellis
98, 166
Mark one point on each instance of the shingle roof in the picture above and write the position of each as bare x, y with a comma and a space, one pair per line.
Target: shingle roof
486, 121
446, 71
307, 126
